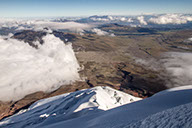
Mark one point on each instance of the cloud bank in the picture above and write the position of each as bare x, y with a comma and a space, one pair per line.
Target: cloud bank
25, 70
175, 68
179, 66
160, 19
171, 19
40, 24
111, 18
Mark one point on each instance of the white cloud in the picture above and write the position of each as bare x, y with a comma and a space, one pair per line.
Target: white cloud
111, 19
25, 70
142, 20
74, 26
40, 24
129, 20
179, 65
99, 32
123, 19
190, 39
171, 19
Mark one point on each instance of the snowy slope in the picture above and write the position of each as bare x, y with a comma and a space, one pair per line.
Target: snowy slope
177, 117
69, 106
85, 109
130, 113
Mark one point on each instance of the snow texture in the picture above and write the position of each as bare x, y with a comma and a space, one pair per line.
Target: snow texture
102, 107
69, 106
177, 117
131, 113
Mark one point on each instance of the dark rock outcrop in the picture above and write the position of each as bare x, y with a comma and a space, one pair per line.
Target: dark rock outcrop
30, 37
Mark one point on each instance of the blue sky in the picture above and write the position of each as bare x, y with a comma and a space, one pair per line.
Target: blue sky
46, 8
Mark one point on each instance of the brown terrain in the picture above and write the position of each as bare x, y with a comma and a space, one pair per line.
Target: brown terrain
111, 61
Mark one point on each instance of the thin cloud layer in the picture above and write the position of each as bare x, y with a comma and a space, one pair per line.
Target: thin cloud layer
40, 24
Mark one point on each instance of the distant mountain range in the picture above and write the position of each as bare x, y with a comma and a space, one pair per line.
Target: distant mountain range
171, 21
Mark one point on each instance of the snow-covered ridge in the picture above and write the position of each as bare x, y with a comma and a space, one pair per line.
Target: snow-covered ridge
69, 106
103, 107
131, 113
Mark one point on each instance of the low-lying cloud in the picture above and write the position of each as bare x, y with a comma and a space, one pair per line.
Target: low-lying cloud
171, 19
179, 66
100, 32
25, 70
40, 24
175, 68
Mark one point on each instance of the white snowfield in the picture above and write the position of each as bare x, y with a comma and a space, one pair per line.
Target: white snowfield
102, 107
177, 117
68, 107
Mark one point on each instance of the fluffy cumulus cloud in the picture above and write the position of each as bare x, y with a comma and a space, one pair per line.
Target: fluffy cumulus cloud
25, 70
179, 66
171, 19
100, 32
142, 20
